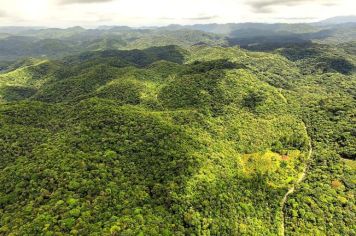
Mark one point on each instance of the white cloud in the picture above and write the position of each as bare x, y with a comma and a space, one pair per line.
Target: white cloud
64, 13
265, 6
2, 14
82, 1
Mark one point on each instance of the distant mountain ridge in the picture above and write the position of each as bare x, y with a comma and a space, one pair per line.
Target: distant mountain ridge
18, 42
339, 20
211, 27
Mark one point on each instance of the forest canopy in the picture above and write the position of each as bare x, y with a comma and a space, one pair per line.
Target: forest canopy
133, 133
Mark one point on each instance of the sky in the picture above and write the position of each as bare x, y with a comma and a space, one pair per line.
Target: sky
139, 13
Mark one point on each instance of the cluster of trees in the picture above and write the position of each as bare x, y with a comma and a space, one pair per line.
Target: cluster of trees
165, 141
324, 202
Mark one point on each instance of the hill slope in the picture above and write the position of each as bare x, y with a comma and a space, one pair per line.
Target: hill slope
170, 141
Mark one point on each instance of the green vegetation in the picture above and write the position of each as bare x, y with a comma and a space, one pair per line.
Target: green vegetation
327, 191
205, 140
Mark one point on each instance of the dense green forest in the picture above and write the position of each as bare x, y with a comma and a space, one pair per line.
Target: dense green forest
181, 132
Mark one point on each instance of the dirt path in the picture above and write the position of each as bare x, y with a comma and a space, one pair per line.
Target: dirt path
291, 190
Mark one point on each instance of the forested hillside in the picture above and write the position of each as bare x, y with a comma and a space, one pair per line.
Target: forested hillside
54, 43
181, 133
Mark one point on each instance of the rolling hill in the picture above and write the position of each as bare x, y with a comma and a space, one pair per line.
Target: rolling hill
169, 140
54, 43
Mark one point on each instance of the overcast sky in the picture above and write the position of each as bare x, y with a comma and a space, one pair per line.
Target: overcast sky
91, 13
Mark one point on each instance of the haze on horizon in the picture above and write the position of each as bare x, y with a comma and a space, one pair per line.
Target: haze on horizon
92, 13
